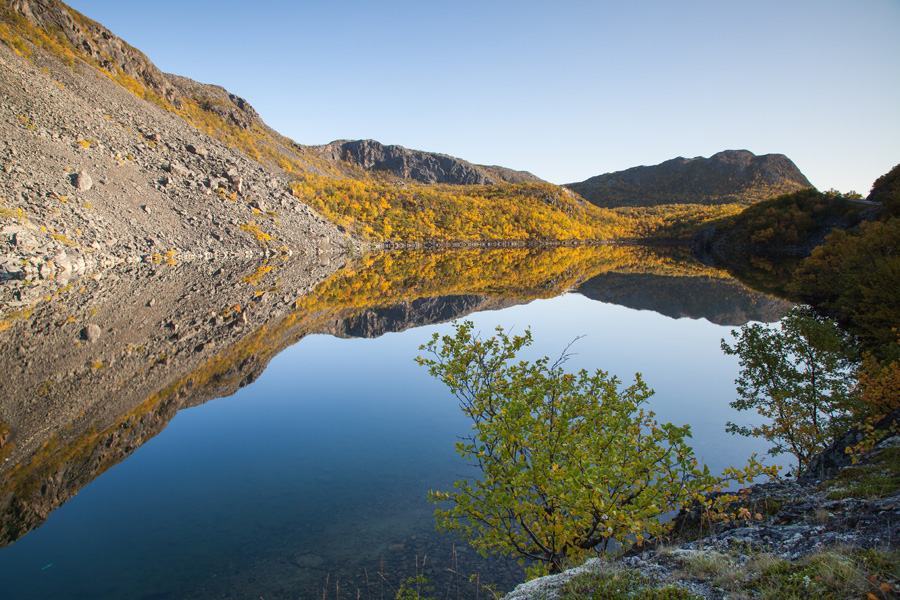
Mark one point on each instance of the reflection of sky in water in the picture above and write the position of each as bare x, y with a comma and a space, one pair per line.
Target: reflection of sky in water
332, 451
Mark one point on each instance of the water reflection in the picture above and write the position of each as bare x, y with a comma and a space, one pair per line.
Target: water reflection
319, 469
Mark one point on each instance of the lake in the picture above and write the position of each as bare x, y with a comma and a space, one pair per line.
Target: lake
262, 431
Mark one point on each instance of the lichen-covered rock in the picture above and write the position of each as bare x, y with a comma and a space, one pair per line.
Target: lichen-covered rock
549, 587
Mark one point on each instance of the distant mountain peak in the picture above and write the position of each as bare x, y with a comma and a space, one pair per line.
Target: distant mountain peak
425, 167
729, 176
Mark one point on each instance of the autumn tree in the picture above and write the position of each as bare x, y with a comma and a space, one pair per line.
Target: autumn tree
567, 462
799, 375
855, 276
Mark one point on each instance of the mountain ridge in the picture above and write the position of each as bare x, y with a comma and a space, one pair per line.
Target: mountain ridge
418, 165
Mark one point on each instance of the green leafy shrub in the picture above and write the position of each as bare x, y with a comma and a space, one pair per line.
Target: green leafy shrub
569, 462
799, 376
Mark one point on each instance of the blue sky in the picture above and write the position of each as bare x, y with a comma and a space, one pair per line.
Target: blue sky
564, 89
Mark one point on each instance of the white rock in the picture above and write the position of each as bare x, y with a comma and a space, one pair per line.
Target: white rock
549, 587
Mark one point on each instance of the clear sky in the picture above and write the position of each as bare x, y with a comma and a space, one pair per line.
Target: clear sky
564, 89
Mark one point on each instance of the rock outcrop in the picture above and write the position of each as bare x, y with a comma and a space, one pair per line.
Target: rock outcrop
425, 167
731, 176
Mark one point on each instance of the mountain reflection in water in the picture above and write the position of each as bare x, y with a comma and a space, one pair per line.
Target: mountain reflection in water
177, 336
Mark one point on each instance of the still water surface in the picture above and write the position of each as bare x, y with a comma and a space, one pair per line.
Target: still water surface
311, 482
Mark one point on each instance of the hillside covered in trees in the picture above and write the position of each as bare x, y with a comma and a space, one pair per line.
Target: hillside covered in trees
793, 223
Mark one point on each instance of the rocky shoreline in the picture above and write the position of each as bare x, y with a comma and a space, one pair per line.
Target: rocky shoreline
828, 508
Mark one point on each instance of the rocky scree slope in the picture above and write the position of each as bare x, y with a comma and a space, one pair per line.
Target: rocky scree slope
95, 176
424, 167
731, 176
76, 39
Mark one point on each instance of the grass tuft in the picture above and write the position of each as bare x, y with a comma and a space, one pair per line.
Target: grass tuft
615, 583
878, 478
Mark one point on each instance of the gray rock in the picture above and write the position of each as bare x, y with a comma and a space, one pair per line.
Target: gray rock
24, 240
11, 229
179, 169
551, 586
235, 179
309, 561
91, 333
11, 268
83, 181
63, 261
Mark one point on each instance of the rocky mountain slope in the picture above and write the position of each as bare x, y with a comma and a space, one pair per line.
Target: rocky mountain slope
93, 176
35, 28
732, 176
212, 142
425, 167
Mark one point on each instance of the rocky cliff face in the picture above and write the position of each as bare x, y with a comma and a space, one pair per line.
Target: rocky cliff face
425, 167
730, 176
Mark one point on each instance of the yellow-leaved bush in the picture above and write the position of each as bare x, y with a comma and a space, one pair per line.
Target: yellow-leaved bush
568, 462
